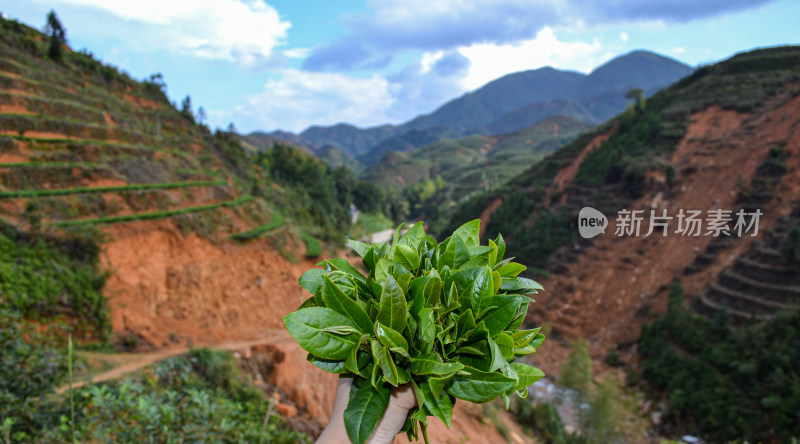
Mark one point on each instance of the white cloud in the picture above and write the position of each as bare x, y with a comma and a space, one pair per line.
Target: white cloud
678, 50
296, 53
296, 98
490, 61
428, 59
623, 36
244, 32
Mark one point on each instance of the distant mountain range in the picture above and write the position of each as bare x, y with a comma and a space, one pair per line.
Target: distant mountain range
505, 105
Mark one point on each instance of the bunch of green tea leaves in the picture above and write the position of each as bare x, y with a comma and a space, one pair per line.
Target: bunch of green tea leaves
443, 318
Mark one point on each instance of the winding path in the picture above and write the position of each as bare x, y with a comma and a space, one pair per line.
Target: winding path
140, 360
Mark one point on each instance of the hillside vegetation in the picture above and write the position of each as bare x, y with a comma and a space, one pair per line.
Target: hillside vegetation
89, 154
436, 176
723, 356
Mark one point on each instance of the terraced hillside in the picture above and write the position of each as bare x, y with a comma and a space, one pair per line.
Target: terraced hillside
725, 138
762, 281
88, 153
83, 144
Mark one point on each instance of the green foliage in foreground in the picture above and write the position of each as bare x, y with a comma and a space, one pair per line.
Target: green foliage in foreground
110, 189
443, 318
199, 397
153, 214
30, 365
40, 277
726, 383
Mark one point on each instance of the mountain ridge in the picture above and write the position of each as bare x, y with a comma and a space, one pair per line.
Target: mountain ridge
483, 111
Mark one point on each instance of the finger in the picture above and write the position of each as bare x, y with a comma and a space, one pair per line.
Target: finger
335, 431
400, 402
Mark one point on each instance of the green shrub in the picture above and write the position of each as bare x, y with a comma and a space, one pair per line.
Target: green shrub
30, 366
313, 247
42, 276
724, 383
199, 397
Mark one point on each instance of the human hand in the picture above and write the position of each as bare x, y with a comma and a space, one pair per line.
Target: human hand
401, 401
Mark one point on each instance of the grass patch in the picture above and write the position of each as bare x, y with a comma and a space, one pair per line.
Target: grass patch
374, 222
111, 189
151, 215
313, 247
50, 165
277, 221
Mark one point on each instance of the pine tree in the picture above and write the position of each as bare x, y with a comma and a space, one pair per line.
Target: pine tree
58, 36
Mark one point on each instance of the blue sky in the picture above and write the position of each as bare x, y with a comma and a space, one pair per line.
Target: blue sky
266, 64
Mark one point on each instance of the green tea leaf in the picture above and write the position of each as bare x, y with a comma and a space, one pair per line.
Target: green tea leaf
492, 255
438, 384
527, 374
370, 260
342, 265
511, 269
520, 285
469, 232
439, 406
305, 327
356, 359
332, 366
427, 330
446, 256
393, 308
497, 359
537, 341
364, 409
383, 269
501, 247
506, 344
518, 318
384, 359
311, 280
416, 290
499, 317
360, 248
414, 237
465, 323
310, 302
524, 337
477, 386
389, 337
431, 364
460, 251
335, 299
340, 330
433, 291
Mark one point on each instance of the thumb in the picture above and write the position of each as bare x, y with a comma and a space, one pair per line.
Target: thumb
400, 402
